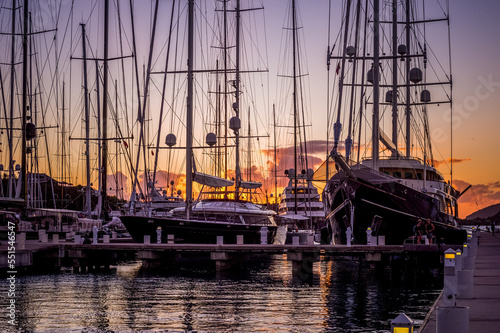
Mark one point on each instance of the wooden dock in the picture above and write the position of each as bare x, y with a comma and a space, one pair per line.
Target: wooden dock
484, 306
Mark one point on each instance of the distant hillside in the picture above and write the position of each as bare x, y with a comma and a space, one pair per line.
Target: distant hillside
485, 212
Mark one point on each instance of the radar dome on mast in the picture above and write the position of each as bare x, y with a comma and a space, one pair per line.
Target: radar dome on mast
425, 96
234, 123
211, 139
416, 75
170, 140
402, 51
350, 51
388, 96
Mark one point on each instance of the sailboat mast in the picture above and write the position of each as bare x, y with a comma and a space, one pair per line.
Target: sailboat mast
24, 110
376, 84
189, 111
338, 126
237, 93
408, 109
275, 154
11, 118
87, 123
294, 52
104, 166
63, 152
395, 76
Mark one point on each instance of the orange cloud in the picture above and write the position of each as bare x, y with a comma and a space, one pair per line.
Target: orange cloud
437, 163
477, 197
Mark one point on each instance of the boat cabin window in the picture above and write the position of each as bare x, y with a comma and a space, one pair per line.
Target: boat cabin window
408, 175
449, 207
419, 175
256, 219
397, 174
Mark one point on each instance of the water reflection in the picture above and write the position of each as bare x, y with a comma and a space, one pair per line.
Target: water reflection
343, 296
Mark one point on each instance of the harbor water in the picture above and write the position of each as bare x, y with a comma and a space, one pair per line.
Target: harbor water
343, 296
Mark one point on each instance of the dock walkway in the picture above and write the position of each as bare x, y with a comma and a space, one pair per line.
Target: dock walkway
484, 314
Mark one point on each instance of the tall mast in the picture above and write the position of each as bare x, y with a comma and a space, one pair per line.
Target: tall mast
11, 118
87, 125
338, 126
408, 109
99, 133
237, 93
24, 110
225, 91
294, 55
189, 111
275, 153
376, 92
395, 76
104, 166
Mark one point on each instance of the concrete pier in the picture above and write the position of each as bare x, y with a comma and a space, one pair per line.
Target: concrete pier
80, 257
484, 315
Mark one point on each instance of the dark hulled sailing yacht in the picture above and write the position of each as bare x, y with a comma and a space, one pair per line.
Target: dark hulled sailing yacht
389, 191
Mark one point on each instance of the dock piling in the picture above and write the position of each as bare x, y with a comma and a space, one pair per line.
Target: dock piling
21, 241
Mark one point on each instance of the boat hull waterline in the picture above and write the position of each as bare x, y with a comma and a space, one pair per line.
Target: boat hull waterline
389, 209
194, 231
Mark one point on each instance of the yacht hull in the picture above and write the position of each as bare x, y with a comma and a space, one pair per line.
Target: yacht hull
389, 208
194, 231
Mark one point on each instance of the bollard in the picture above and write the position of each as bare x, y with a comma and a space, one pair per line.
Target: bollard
94, 235
424, 238
158, 235
468, 259
349, 236
239, 239
458, 261
449, 289
147, 239
263, 235
452, 319
381, 240
55, 238
369, 236
45, 238
220, 240
78, 239
310, 239
114, 235
465, 252
105, 239
295, 240
41, 232
21, 241
402, 324
170, 239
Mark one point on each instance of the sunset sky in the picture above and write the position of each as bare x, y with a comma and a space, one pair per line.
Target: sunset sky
475, 46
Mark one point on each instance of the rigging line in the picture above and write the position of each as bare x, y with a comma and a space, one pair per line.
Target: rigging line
123, 67
43, 114
140, 112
